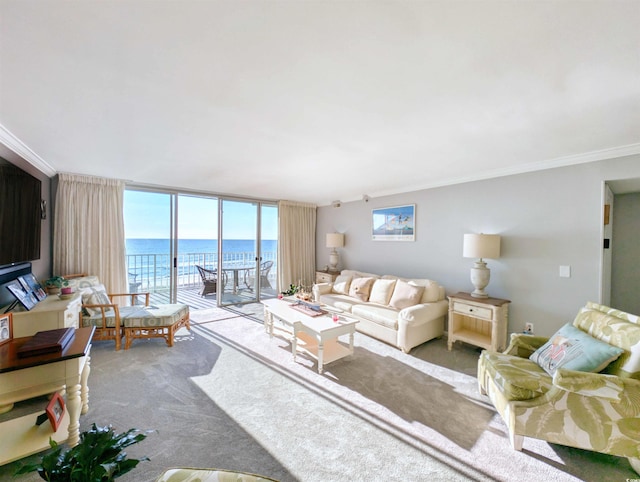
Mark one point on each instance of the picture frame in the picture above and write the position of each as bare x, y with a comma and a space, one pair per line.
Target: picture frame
55, 411
6, 328
30, 283
396, 223
26, 299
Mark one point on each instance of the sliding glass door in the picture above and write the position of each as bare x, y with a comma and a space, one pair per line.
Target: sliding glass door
247, 258
239, 250
200, 250
197, 253
268, 250
150, 243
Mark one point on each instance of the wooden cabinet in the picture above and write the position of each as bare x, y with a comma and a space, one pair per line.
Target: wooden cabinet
23, 379
49, 314
478, 321
326, 276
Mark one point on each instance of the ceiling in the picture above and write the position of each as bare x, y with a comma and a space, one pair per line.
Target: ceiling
318, 101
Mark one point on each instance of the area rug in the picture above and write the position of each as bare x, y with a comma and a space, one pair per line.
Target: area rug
379, 414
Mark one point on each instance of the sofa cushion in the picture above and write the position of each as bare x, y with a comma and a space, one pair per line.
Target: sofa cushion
517, 378
360, 288
431, 292
358, 274
342, 302
382, 315
341, 284
573, 349
405, 295
381, 291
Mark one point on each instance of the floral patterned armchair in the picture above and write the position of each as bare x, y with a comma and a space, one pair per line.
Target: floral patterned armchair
593, 411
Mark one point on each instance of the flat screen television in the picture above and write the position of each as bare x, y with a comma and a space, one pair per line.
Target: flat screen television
20, 215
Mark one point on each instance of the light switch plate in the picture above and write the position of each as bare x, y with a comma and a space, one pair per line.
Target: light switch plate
565, 271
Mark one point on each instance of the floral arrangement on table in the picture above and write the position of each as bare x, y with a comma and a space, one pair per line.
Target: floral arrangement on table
299, 291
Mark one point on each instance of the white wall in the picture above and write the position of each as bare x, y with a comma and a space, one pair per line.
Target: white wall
546, 219
625, 277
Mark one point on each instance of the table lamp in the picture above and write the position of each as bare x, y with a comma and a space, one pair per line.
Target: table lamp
334, 240
481, 246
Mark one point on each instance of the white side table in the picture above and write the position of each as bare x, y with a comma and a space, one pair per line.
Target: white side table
326, 276
478, 321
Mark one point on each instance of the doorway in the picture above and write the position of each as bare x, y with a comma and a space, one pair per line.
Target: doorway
620, 279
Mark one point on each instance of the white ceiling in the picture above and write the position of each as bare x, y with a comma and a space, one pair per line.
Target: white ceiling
318, 100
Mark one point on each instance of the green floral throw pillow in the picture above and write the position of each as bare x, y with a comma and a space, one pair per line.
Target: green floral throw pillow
573, 349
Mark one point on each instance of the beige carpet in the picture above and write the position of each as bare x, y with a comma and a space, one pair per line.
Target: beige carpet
379, 414
228, 396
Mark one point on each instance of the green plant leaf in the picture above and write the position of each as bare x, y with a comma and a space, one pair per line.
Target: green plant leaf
98, 457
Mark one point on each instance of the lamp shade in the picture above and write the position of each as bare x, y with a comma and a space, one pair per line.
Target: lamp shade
481, 246
335, 240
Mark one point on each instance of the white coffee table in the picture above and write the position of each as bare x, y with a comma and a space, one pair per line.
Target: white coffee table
316, 336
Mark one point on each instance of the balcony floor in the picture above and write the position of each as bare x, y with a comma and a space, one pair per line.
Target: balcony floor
191, 296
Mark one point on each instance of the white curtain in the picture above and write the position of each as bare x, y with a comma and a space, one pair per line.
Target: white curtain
296, 244
88, 233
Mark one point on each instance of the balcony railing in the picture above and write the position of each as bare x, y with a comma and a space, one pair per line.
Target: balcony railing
152, 272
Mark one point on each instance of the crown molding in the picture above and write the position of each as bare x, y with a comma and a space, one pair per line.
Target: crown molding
20, 149
593, 156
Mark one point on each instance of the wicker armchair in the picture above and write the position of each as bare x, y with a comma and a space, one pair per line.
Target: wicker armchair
250, 276
210, 280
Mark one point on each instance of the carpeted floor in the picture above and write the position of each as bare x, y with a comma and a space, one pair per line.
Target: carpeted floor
228, 396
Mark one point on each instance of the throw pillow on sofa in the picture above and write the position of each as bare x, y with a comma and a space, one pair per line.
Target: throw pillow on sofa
360, 288
341, 285
405, 295
573, 349
381, 291
431, 292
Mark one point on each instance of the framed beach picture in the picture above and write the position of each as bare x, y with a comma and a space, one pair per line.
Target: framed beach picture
30, 283
394, 224
26, 299
6, 328
55, 411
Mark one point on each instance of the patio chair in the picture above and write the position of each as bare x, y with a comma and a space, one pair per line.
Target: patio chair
209, 280
134, 284
265, 267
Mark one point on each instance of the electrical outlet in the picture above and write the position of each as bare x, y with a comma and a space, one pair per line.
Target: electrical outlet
528, 328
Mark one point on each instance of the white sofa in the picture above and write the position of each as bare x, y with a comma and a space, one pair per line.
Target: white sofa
402, 312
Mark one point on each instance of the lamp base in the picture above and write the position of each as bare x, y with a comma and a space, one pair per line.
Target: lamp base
333, 260
479, 294
480, 276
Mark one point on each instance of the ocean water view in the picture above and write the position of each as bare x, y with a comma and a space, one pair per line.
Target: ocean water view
161, 246
149, 260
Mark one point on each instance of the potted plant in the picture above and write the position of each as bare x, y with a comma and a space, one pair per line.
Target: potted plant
55, 284
98, 457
